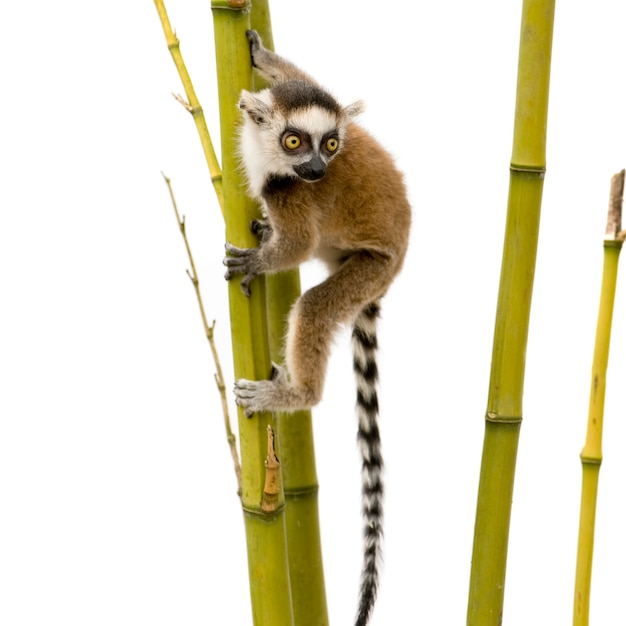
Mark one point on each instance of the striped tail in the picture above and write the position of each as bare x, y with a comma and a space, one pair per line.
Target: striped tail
364, 344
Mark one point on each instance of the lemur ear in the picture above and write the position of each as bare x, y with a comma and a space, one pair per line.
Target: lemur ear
354, 109
260, 113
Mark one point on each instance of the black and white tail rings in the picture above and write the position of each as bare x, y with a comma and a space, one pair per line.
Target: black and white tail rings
364, 345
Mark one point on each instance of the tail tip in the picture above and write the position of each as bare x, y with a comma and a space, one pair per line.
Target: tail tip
366, 603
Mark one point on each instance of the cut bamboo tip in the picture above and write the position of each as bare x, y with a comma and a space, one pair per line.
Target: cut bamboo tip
614, 230
271, 490
230, 4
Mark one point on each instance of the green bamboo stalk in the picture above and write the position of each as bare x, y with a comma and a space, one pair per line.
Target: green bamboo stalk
261, 21
264, 514
297, 453
504, 406
295, 435
591, 455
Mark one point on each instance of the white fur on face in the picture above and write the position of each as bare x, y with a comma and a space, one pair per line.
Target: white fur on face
315, 121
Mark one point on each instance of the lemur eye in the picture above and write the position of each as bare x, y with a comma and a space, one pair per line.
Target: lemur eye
332, 144
291, 142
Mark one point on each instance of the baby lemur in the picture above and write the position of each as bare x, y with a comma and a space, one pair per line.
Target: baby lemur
328, 190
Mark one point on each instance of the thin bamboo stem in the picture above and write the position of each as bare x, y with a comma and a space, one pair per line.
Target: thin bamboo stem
504, 405
591, 455
192, 104
209, 332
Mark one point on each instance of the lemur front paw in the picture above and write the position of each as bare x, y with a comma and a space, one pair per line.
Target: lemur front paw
255, 396
242, 261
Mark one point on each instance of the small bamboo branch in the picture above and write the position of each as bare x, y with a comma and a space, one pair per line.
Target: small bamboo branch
208, 330
591, 455
192, 104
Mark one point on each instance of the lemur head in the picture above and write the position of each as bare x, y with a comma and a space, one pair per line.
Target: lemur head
293, 129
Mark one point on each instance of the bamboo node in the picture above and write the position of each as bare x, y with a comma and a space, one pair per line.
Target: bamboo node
171, 38
529, 169
302, 492
502, 419
590, 460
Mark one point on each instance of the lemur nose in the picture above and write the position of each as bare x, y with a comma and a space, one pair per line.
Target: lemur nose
311, 170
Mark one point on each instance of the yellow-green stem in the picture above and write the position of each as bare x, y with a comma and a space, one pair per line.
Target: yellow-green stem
192, 104
504, 405
208, 330
297, 453
265, 532
591, 455
295, 436
586, 535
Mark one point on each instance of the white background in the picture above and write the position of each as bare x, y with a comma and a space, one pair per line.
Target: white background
117, 499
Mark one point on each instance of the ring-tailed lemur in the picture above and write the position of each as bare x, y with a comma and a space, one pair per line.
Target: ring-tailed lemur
328, 190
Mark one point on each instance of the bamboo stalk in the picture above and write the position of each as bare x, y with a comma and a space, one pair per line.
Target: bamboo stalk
296, 449
265, 525
504, 406
294, 435
591, 455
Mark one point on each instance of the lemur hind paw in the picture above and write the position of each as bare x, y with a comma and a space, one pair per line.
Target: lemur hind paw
255, 396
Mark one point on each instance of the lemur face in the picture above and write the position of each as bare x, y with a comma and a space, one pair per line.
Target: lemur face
295, 129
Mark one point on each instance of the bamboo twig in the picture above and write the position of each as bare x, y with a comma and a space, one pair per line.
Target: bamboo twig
192, 104
591, 455
208, 330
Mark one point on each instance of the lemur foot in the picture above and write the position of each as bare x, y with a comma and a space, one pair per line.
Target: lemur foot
262, 395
